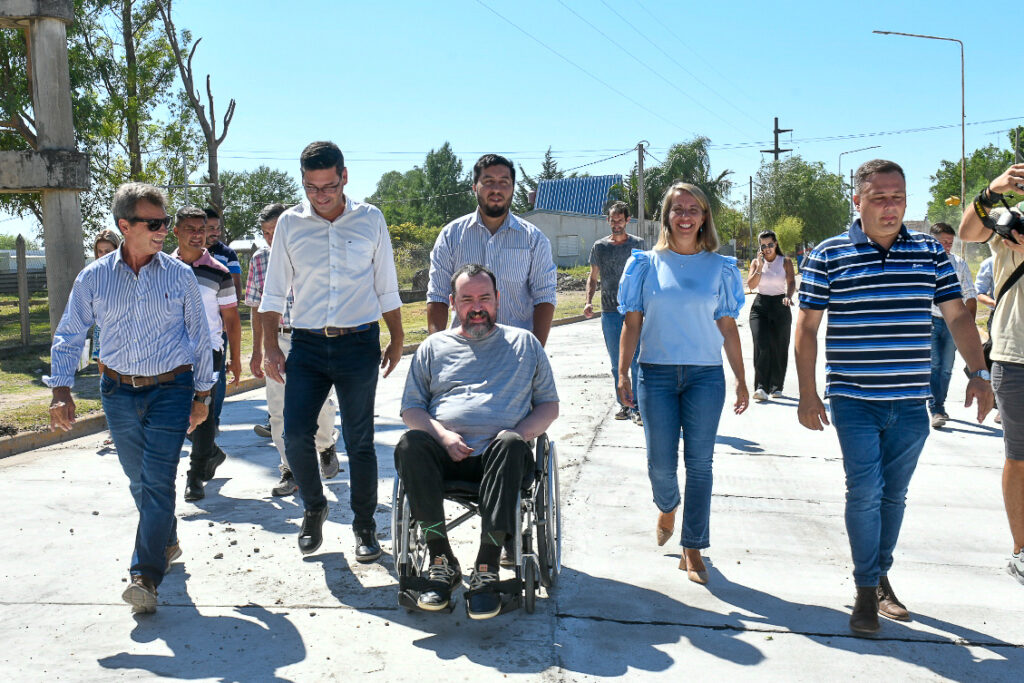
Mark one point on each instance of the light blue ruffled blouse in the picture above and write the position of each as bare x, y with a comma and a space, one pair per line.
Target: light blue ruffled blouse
681, 297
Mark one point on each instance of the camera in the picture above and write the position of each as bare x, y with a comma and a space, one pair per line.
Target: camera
1008, 221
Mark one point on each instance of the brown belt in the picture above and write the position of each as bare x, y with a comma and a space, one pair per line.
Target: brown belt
284, 329
143, 380
338, 331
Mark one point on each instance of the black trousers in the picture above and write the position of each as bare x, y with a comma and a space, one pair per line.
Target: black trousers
424, 466
771, 322
203, 438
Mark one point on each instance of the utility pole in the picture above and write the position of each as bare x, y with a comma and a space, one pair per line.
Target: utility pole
776, 151
640, 187
852, 190
750, 202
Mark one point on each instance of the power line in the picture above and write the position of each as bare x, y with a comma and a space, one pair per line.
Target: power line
628, 151
577, 66
649, 68
677, 63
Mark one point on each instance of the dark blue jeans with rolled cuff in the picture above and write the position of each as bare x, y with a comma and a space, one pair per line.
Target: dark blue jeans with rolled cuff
350, 364
687, 397
881, 442
611, 327
148, 425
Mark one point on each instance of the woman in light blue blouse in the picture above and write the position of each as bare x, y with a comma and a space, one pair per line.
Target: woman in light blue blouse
680, 301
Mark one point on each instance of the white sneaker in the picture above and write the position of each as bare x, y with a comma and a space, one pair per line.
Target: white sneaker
1016, 567
777, 393
760, 395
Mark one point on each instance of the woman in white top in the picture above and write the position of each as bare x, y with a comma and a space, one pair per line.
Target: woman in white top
771, 276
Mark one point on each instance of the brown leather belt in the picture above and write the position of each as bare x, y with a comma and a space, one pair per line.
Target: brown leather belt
143, 380
338, 331
285, 330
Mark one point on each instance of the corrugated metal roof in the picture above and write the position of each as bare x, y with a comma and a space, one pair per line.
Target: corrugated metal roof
575, 195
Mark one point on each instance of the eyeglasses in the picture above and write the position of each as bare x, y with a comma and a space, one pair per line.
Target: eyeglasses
769, 245
154, 224
326, 189
695, 211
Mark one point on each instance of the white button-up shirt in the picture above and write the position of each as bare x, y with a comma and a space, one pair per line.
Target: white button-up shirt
518, 254
342, 272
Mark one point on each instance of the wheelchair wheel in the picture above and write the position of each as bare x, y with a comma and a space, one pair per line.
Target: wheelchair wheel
549, 521
530, 586
409, 557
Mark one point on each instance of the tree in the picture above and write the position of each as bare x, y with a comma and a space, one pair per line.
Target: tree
244, 193
401, 196
731, 224
207, 123
983, 165
11, 242
804, 190
686, 161
449, 191
789, 230
528, 184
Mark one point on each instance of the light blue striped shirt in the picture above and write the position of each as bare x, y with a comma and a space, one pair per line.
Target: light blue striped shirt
518, 254
150, 323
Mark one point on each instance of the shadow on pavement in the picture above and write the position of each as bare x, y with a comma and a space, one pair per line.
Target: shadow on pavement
745, 445
951, 653
249, 647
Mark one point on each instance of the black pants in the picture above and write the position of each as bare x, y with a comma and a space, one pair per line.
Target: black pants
770, 322
203, 438
424, 465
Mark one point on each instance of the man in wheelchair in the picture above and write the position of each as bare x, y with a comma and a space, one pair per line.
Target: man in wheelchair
474, 397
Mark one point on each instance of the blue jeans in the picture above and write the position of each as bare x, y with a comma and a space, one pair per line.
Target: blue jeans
611, 325
881, 441
350, 364
148, 426
690, 397
943, 355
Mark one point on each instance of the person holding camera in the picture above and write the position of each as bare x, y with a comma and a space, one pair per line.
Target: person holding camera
771, 276
1007, 336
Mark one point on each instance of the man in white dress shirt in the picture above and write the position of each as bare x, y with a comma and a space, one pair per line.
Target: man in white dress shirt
335, 255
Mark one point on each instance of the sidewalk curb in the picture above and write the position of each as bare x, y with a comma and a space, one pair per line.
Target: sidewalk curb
19, 443
28, 441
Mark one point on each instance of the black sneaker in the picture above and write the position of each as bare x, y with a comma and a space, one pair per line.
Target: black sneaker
263, 430
329, 462
194, 487
482, 603
286, 486
213, 463
440, 572
623, 413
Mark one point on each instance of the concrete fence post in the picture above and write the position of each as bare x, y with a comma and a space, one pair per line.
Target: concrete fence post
23, 292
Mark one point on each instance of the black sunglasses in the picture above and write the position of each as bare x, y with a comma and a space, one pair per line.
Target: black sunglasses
153, 224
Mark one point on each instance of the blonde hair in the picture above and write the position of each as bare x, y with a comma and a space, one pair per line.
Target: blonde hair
707, 236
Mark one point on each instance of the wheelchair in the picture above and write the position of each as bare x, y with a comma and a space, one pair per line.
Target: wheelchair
538, 534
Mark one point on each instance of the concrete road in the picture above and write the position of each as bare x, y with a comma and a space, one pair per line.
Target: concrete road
244, 605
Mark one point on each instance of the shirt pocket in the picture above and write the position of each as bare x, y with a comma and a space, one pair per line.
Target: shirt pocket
358, 255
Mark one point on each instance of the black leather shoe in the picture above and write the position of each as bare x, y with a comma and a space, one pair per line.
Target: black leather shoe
367, 547
864, 620
194, 487
213, 463
311, 534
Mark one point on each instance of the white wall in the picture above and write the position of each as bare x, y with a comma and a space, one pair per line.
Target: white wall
574, 233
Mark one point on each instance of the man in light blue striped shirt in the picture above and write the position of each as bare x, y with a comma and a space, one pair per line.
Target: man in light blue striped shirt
516, 251
878, 282
157, 375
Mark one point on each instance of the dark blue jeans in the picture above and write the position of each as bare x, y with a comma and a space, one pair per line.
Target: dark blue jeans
350, 364
690, 397
611, 326
881, 442
943, 355
148, 426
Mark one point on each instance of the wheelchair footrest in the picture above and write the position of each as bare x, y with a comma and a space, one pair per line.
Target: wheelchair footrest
510, 591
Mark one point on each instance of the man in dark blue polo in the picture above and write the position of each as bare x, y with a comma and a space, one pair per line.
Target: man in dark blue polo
878, 282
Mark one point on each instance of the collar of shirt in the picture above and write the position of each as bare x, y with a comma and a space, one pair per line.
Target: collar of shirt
305, 210
157, 257
510, 222
205, 259
857, 235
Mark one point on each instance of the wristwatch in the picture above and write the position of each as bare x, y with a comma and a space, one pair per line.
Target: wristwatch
205, 399
983, 374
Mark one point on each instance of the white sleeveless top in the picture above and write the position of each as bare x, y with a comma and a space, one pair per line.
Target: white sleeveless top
773, 278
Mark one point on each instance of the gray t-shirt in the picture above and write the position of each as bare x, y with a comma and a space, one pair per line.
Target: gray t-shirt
478, 387
610, 259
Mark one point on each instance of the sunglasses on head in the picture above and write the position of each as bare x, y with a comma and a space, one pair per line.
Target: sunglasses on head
153, 224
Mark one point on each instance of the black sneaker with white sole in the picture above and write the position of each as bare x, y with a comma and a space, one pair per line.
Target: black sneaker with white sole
483, 601
447, 577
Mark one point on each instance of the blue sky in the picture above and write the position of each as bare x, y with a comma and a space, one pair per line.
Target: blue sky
390, 81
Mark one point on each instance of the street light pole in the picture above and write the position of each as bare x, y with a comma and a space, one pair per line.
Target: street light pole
963, 107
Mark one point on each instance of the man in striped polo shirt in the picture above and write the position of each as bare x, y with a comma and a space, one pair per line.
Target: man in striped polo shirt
221, 307
878, 282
